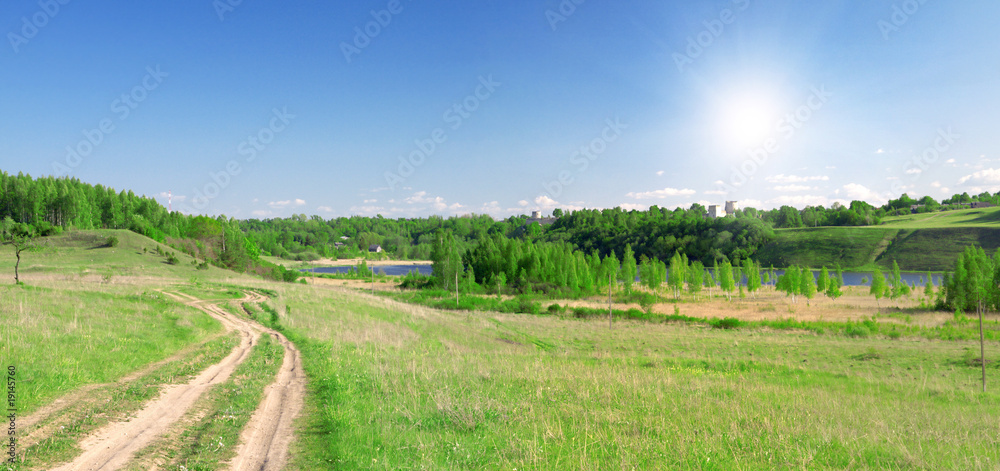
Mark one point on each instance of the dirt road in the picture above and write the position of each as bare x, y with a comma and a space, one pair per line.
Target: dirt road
263, 444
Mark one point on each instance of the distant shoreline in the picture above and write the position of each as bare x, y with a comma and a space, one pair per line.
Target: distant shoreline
344, 262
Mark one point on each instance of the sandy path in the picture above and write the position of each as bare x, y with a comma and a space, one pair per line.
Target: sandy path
265, 440
266, 437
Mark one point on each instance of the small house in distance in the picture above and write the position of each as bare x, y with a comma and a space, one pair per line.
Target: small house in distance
375, 248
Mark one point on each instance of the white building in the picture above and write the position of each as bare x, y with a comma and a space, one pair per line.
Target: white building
731, 207
716, 211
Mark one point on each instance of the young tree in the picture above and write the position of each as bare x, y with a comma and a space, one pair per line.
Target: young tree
878, 288
709, 282
807, 283
788, 283
726, 281
929, 287
23, 239
651, 274
695, 281
824, 277
628, 271
501, 282
677, 271
752, 271
833, 288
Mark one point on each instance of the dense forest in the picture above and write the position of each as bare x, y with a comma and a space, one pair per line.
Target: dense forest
572, 242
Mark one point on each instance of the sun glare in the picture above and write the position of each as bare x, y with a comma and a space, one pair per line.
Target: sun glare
747, 121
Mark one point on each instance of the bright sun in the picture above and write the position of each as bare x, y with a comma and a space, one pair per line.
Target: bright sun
747, 121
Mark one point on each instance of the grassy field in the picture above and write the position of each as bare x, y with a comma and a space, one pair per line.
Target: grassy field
982, 217
863, 248
394, 386
87, 314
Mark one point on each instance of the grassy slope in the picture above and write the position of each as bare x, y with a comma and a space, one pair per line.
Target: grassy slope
917, 242
401, 387
90, 314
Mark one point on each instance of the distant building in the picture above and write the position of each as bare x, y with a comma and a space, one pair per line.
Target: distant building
375, 248
536, 215
716, 211
731, 207
338, 245
980, 204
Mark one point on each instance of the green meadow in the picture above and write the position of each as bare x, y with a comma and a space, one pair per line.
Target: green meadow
398, 386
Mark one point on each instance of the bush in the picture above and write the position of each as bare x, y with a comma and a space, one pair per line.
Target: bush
172, 259
112, 241
727, 323
856, 330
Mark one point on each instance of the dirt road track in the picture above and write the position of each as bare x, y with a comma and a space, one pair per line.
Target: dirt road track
264, 441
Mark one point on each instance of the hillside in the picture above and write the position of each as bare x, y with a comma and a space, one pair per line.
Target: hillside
917, 242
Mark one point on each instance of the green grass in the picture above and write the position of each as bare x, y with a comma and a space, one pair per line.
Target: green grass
117, 402
61, 339
403, 387
983, 217
863, 248
212, 441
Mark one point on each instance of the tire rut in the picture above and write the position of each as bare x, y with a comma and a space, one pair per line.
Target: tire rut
114, 445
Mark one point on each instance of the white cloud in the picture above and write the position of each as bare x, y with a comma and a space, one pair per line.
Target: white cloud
261, 213
781, 178
801, 201
880, 151
325, 209
286, 203
437, 203
660, 194
370, 201
863, 193
634, 206
990, 175
715, 192
750, 203
790, 188
914, 171
659, 173
367, 210
523, 203
936, 184
545, 203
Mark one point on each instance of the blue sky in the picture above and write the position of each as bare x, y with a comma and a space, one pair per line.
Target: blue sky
410, 108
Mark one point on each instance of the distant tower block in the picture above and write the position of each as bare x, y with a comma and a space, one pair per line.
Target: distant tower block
536, 214
731, 207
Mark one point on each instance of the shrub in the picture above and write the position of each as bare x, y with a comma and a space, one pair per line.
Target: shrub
727, 323
112, 241
172, 259
856, 330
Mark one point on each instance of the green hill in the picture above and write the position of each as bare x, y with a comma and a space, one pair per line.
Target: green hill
918, 242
